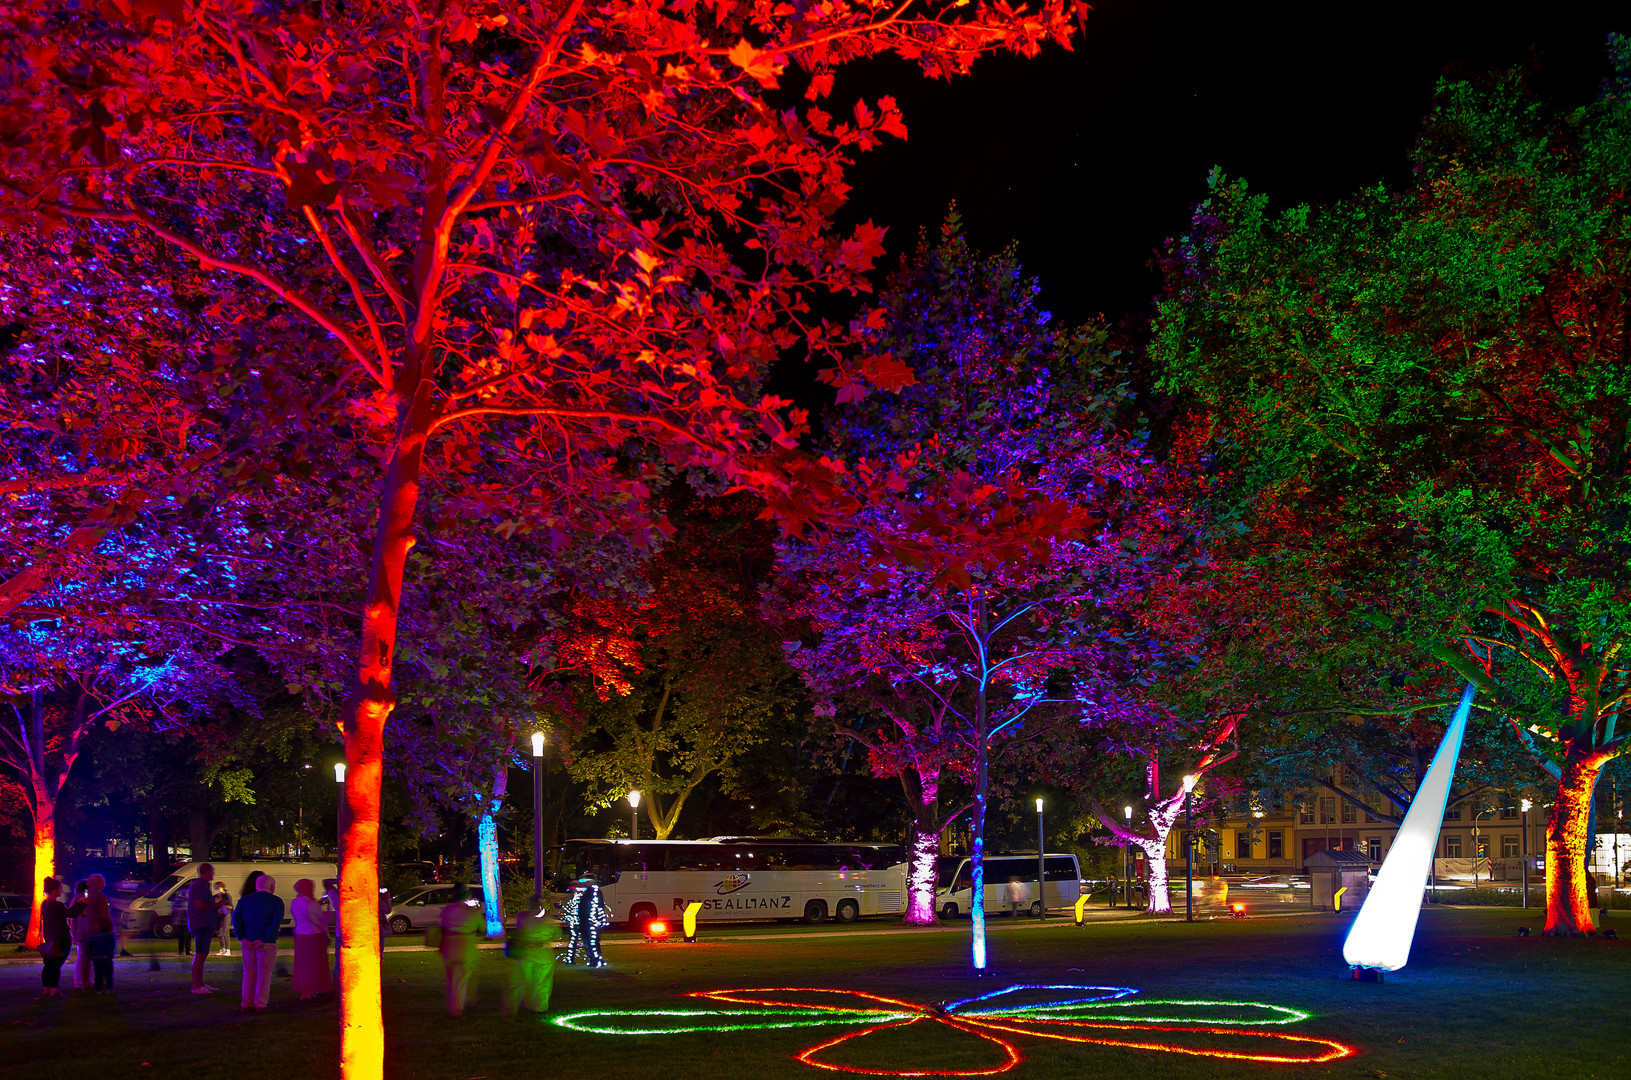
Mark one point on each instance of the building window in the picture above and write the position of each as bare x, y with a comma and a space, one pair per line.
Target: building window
1509, 813
1370, 817
1277, 845
1453, 815
1328, 810
1509, 847
1349, 813
1305, 817
1452, 847
1373, 848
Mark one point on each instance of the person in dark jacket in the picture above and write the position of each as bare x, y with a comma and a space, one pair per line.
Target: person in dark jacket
256, 921
54, 937
99, 936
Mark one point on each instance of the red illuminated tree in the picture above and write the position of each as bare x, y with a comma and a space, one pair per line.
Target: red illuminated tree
546, 234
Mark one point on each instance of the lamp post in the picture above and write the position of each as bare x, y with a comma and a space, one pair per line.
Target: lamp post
1041, 875
1127, 856
1526, 804
342, 813
1189, 851
634, 815
537, 818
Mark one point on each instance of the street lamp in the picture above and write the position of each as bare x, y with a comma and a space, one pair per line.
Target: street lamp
538, 818
634, 815
1526, 804
342, 813
1041, 876
1189, 851
1127, 856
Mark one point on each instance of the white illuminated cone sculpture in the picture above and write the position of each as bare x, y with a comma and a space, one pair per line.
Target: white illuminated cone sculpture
1386, 924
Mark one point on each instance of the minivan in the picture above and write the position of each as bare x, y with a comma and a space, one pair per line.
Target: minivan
954, 897
163, 909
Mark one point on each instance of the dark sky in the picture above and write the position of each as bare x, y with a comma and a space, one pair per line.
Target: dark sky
1089, 158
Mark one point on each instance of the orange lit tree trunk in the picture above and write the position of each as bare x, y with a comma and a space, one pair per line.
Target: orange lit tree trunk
1568, 902
45, 857
362, 1032
41, 749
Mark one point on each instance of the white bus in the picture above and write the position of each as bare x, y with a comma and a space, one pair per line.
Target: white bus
738, 878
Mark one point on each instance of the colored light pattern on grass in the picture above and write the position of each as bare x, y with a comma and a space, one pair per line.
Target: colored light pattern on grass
1386, 924
1069, 1013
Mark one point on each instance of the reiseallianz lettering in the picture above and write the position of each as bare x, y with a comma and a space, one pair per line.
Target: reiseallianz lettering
745, 903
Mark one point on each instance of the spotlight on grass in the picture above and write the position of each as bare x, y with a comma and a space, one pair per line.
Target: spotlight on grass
657, 930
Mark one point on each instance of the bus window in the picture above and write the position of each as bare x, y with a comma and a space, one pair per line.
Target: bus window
592, 861
1060, 868
700, 858
965, 877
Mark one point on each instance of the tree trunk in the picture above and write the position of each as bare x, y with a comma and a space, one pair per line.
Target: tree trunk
45, 858
362, 1030
1155, 856
1568, 905
923, 789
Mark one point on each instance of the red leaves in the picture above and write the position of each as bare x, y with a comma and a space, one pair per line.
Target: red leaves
762, 67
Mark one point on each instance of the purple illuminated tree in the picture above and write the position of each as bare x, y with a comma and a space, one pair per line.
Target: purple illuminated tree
965, 608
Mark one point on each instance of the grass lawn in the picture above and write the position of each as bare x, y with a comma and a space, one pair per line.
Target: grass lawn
1476, 1001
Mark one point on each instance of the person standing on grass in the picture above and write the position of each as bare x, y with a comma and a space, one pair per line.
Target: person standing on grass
80, 927
55, 938
99, 924
223, 907
531, 950
203, 919
331, 894
462, 923
310, 942
256, 921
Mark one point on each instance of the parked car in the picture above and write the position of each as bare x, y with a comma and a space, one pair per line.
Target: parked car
14, 910
419, 908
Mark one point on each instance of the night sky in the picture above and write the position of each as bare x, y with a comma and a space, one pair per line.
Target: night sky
1088, 159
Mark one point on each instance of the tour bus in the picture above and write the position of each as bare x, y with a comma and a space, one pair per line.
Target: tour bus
737, 878
163, 908
955, 892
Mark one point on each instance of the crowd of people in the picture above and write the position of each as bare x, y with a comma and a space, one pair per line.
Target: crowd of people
83, 926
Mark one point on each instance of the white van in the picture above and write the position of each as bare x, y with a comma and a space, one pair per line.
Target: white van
954, 894
163, 908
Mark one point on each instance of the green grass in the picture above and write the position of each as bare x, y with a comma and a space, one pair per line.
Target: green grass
1476, 1001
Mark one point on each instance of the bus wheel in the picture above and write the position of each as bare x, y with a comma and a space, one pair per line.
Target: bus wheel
1036, 909
949, 912
815, 912
640, 916
848, 911
164, 928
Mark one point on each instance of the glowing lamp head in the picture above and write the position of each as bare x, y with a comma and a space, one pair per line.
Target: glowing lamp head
656, 929
1127, 810
1257, 813
339, 772
1189, 783
538, 744
1039, 806
1237, 907
634, 800
1527, 806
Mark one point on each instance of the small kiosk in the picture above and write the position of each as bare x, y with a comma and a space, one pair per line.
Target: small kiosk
1333, 874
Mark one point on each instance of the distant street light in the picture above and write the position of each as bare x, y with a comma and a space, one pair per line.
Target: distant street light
1189, 851
342, 814
1127, 856
1526, 804
537, 818
634, 815
1041, 870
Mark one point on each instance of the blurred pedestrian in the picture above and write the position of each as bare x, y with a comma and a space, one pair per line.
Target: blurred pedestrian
462, 923
1018, 895
385, 906
310, 942
203, 919
531, 950
256, 921
99, 936
331, 895
79, 925
55, 938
